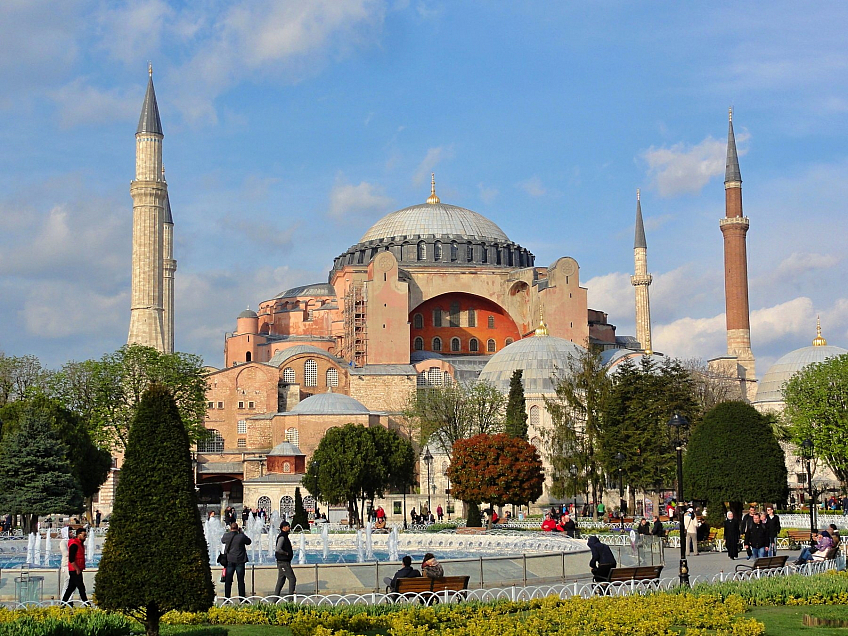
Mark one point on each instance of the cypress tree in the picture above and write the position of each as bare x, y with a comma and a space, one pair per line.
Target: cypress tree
300, 517
516, 408
155, 558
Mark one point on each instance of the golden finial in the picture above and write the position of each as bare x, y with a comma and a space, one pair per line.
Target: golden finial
150, 69
542, 329
818, 341
433, 199
638, 194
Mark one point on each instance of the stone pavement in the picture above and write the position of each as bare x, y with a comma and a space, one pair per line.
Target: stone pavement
708, 564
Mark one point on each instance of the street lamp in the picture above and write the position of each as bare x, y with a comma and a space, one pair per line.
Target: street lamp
678, 423
619, 457
428, 459
448, 493
573, 470
807, 448
315, 464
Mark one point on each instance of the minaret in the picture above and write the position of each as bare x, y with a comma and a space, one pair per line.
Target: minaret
641, 280
149, 194
169, 267
734, 227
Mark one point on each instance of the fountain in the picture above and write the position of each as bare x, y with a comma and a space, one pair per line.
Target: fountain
325, 540
393, 544
301, 553
213, 531
30, 558
369, 544
273, 533
47, 547
360, 555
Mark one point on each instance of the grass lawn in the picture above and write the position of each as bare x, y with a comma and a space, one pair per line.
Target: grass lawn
787, 621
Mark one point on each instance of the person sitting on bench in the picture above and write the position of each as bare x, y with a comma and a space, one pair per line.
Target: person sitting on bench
406, 572
602, 561
822, 546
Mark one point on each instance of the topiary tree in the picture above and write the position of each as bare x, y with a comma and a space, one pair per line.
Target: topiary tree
497, 469
300, 517
37, 477
155, 558
733, 456
515, 424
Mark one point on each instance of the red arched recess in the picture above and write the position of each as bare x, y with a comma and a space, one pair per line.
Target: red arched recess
490, 322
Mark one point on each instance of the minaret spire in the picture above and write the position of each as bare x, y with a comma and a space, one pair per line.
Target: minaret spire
169, 268
734, 228
641, 280
150, 197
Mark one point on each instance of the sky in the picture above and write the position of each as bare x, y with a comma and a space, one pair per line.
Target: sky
292, 127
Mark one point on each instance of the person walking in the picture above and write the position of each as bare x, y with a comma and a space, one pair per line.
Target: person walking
76, 566
690, 525
772, 520
440, 513
731, 535
284, 553
757, 537
236, 543
97, 518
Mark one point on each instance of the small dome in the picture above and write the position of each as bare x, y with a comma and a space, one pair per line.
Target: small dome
771, 386
315, 289
330, 404
541, 358
248, 313
438, 219
285, 449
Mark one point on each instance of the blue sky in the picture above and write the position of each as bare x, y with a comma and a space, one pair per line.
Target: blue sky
291, 127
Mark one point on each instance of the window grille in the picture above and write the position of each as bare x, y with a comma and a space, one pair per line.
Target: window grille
437, 251
534, 417
491, 347
292, 436
434, 376
422, 251
422, 379
491, 322
437, 344
455, 344
473, 345
418, 321
264, 502
419, 344
242, 427
289, 376
332, 377
242, 443
214, 443
310, 373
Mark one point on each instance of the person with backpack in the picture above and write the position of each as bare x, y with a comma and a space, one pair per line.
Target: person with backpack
284, 553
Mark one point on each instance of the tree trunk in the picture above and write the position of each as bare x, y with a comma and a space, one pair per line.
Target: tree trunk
151, 620
631, 502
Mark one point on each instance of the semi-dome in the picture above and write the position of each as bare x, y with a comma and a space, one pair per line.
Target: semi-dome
771, 386
438, 219
330, 404
540, 357
315, 289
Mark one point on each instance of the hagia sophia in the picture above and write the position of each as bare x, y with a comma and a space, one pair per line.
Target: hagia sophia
431, 294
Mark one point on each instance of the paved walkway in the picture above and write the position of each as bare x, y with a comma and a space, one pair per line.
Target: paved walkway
708, 564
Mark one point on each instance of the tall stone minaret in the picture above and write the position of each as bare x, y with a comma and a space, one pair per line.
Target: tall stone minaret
734, 227
149, 194
169, 268
641, 280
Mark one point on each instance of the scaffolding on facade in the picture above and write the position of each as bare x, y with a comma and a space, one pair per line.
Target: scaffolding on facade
355, 325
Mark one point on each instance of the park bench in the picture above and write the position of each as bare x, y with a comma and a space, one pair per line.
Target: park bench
798, 538
427, 589
708, 544
641, 573
763, 563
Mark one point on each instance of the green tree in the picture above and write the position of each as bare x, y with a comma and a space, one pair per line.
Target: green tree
445, 414
36, 478
353, 463
577, 412
516, 408
496, 469
149, 566
21, 376
733, 456
300, 517
89, 464
817, 408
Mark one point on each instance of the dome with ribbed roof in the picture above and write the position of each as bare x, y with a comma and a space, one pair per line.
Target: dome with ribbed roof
437, 219
248, 313
771, 386
330, 404
541, 358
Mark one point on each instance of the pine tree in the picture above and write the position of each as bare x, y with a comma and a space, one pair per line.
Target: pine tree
300, 518
36, 478
155, 558
516, 408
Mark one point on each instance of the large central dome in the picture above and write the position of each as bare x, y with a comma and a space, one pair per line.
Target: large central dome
436, 219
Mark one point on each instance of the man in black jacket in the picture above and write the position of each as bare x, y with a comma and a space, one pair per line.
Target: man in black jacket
235, 541
756, 538
658, 530
284, 554
406, 572
745, 525
773, 525
602, 561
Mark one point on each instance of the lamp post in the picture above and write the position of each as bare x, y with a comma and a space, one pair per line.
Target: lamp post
448, 494
315, 465
573, 470
807, 448
428, 459
678, 423
619, 457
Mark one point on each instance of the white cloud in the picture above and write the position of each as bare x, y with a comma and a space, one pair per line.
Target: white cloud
487, 195
686, 169
429, 163
611, 293
58, 309
81, 103
347, 199
802, 262
533, 186
132, 31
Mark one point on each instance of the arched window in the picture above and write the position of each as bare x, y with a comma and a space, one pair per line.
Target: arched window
213, 443
508, 342
422, 251
434, 376
454, 252
292, 436
497, 255
437, 251
310, 373
453, 315
455, 344
264, 502
537, 442
287, 506
472, 317
418, 344
485, 258
509, 258
437, 317
491, 322
534, 418
309, 504
332, 377
473, 345
289, 376
469, 252
446, 377
286, 466
418, 321
247, 357
437, 344
491, 347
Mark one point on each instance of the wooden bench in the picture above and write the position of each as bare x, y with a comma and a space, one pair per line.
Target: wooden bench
427, 589
708, 544
763, 563
641, 573
798, 538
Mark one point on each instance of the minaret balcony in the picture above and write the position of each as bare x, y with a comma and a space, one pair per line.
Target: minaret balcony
641, 280
734, 221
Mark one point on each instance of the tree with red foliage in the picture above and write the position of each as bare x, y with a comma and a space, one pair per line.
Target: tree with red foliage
497, 469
